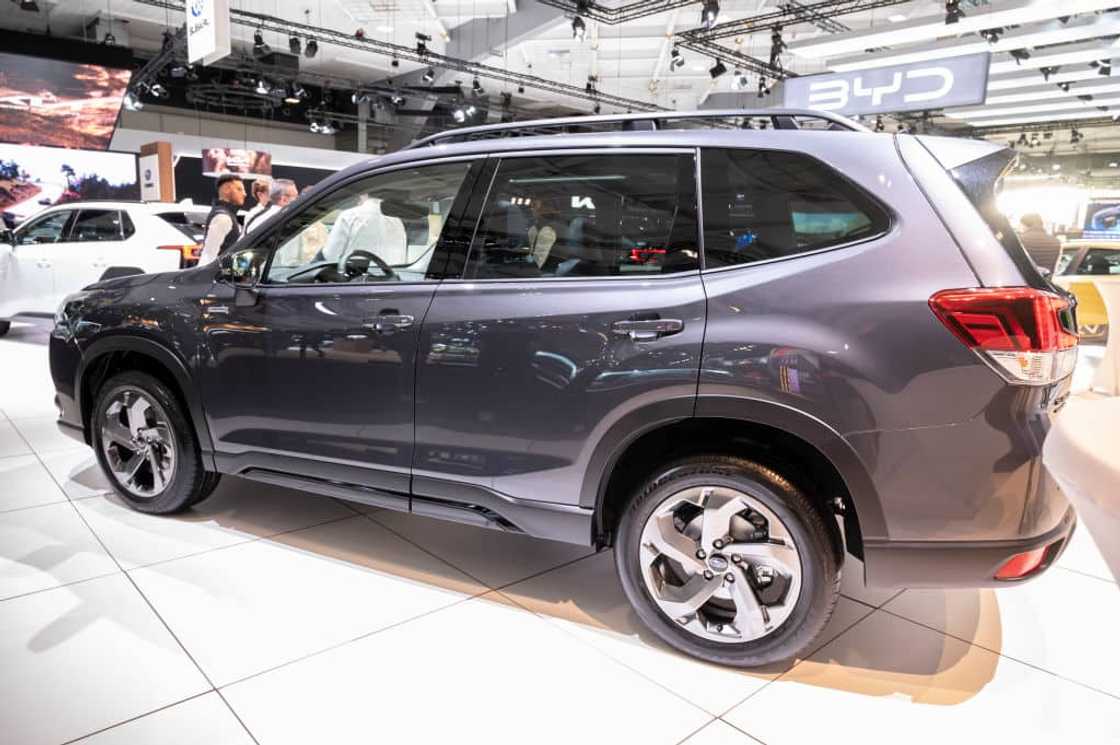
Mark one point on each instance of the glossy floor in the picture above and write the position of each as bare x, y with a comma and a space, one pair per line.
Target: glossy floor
274, 616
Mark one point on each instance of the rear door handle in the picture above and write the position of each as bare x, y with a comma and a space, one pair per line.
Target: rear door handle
647, 329
387, 323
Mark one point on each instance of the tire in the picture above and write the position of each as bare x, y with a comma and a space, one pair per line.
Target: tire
166, 439
797, 604
5, 326
209, 484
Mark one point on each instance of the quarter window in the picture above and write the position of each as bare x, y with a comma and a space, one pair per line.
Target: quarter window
588, 216
762, 204
96, 225
383, 228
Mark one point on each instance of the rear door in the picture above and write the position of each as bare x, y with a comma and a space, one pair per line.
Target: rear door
95, 237
580, 304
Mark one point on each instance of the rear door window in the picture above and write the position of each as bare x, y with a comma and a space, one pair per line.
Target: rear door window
761, 204
1100, 261
593, 215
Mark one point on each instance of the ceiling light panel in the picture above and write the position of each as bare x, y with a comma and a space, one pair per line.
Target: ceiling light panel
1070, 55
1056, 106
1029, 118
1048, 91
933, 26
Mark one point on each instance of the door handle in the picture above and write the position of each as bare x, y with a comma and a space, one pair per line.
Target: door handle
43, 264
647, 329
387, 323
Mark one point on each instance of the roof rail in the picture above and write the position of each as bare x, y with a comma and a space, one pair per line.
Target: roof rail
650, 120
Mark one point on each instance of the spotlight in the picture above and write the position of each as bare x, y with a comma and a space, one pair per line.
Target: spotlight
397, 100
311, 49
299, 92
259, 47
159, 91
359, 97
422, 43
294, 45
991, 35
507, 100
360, 34
471, 110
1022, 139
1064, 87
579, 28
879, 126
293, 97
394, 62
1020, 55
1048, 71
262, 87
29, 5
717, 69
429, 75
178, 71
591, 81
740, 82
1075, 137
328, 128
1103, 67
953, 12
763, 88
109, 40
777, 46
459, 114
676, 60
131, 102
597, 109
709, 13
520, 88
476, 86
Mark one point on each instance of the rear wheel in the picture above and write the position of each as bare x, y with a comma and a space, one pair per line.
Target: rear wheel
726, 560
146, 446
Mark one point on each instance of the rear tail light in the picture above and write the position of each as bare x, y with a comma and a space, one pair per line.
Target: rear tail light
188, 253
1021, 565
1027, 336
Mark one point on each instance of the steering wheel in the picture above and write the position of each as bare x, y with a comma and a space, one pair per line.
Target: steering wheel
353, 272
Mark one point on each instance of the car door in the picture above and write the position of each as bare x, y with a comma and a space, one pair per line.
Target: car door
95, 237
580, 314
316, 377
30, 280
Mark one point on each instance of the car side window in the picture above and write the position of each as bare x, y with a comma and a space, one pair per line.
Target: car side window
96, 225
767, 204
381, 228
1100, 261
595, 215
46, 229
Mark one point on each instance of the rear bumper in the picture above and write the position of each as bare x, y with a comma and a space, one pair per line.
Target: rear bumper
947, 564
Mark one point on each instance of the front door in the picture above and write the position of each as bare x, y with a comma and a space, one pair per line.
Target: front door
30, 284
581, 304
320, 368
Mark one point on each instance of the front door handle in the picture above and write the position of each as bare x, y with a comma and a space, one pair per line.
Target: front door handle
647, 329
387, 323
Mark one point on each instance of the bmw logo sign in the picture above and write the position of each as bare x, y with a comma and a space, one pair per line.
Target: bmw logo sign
196, 7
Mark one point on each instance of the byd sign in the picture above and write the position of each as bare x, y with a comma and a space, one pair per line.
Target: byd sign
939, 84
207, 30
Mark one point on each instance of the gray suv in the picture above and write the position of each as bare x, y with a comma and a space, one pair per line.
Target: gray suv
736, 347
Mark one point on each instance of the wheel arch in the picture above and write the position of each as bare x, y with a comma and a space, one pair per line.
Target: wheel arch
821, 460
107, 356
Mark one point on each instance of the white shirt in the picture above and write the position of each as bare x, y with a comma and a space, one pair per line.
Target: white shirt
259, 208
219, 229
252, 223
365, 228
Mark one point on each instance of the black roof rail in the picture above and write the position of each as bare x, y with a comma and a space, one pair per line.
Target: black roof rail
650, 120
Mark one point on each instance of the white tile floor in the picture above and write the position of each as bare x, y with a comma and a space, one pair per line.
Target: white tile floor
272, 616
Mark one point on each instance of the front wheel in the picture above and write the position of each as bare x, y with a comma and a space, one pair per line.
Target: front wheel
725, 560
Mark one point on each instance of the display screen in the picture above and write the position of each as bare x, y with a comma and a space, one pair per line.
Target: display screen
216, 160
65, 104
1102, 218
32, 178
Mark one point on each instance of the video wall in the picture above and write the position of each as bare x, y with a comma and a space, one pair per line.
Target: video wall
65, 104
1102, 218
32, 178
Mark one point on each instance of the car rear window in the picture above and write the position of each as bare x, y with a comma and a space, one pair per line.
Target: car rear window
1098, 261
190, 224
765, 204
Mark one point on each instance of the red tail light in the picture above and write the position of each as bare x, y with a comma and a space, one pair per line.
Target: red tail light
1027, 335
188, 253
1020, 565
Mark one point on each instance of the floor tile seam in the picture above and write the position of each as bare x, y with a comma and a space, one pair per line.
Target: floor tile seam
131, 719
238, 543
10, 510
62, 585
737, 728
695, 732
1081, 573
817, 648
999, 653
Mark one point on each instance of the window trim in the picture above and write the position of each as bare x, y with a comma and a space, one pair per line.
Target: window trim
274, 231
63, 236
892, 217
499, 156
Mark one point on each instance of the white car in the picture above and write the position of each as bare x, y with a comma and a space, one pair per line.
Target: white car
64, 248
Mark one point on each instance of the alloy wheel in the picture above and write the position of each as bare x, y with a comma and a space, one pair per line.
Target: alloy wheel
138, 443
720, 564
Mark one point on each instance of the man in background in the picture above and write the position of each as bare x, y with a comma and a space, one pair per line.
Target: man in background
280, 194
222, 230
1043, 248
260, 190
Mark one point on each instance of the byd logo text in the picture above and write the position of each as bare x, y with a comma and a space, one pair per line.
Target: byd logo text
836, 94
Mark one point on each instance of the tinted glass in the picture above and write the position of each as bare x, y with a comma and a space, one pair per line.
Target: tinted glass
1100, 261
764, 205
384, 228
96, 225
190, 224
47, 229
588, 216
127, 228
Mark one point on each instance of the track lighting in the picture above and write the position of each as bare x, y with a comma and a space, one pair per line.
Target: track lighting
1103, 67
294, 45
1020, 55
132, 102
676, 60
259, 47
422, 43
178, 71
429, 75
991, 35
777, 46
579, 28
1048, 71
1064, 87
953, 12
717, 69
311, 49
709, 13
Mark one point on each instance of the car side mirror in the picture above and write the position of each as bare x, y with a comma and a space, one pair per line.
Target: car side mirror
241, 268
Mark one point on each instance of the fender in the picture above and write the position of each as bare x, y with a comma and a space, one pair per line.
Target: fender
756, 411
165, 357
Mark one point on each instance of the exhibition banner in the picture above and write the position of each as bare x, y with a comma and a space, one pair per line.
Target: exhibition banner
208, 32
32, 178
917, 86
149, 178
249, 163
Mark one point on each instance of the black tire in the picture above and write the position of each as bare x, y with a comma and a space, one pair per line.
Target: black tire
186, 484
5, 326
209, 484
820, 574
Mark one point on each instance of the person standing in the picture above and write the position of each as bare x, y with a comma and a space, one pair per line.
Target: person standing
1043, 248
222, 230
259, 190
282, 192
